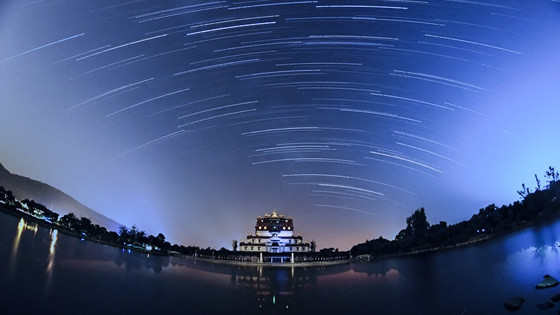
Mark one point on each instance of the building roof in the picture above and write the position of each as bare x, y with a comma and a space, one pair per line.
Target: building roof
274, 214
282, 237
265, 245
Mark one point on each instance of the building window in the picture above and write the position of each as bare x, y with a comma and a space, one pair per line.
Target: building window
251, 247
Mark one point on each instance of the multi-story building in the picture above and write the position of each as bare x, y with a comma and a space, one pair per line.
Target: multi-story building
274, 233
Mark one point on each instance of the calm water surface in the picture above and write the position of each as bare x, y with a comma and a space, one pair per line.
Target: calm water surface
46, 272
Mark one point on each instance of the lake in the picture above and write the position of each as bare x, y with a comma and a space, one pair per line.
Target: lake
43, 271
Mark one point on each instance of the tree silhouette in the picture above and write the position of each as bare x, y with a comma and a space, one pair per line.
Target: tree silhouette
84, 228
417, 224
543, 203
524, 192
552, 175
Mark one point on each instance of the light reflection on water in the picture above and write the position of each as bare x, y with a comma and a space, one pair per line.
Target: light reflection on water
52, 251
469, 280
15, 246
17, 238
54, 238
21, 227
526, 260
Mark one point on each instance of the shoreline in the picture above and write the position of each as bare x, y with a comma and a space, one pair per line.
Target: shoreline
434, 250
371, 259
271, 265
472, 242
28, 217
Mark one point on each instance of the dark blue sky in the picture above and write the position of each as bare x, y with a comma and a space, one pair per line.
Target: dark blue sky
192, 118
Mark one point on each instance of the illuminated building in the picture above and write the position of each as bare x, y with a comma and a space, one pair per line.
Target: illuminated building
274, 233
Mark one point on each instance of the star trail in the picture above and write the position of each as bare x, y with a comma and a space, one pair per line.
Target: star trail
195, 116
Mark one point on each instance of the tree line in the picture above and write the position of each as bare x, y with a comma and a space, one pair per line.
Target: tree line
130, 238
84, 228
543, 201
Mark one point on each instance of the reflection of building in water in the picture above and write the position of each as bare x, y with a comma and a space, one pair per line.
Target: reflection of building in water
274, 233
22, 226
276, 289
273, 289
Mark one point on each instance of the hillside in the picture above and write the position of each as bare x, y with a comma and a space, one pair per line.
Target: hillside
27, 188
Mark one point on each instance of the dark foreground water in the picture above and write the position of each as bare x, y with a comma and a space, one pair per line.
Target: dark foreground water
46, 272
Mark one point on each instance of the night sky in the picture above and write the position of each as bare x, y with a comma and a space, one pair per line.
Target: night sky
191, 118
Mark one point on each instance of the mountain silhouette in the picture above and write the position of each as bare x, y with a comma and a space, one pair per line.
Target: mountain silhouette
54, 199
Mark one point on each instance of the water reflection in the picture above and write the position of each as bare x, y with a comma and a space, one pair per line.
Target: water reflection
15, 246
22, 226
546, 257
17, 238
52, 251
473, 280
50, 261
274, 289
391, 274
54, 238
263, 289
131, 261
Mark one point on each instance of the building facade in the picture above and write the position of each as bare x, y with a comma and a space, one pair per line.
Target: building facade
274, 233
